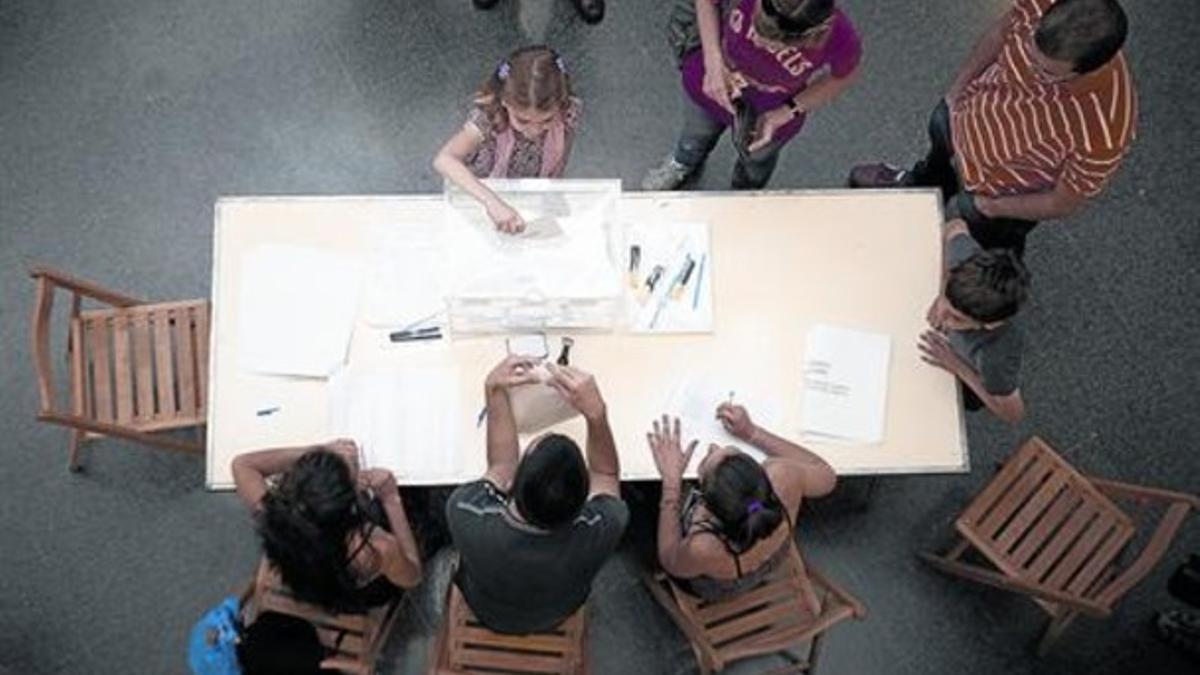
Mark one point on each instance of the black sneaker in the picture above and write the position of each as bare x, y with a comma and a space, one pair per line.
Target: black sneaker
591, 11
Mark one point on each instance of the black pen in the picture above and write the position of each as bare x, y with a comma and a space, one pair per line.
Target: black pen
430, 333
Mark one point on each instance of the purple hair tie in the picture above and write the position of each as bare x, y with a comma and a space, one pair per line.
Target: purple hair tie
562, 65
503, 71
754, 507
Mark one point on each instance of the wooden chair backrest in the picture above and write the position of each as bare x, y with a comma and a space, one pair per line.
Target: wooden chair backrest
1044, 523
790, 605
145, 367
355, 639
135, 368
467, 646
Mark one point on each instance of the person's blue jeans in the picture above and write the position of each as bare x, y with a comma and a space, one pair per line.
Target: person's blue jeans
699, 136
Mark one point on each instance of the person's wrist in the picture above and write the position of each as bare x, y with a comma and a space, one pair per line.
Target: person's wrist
794, 108
596, 414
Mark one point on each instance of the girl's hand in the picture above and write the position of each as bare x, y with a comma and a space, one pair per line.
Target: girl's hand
504, 217
510, 372
668, 454
769, 125
717, 85
381, 482
736, 421
347, 449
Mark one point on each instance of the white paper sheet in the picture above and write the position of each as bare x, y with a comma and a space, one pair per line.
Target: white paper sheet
845, 385
675, 305
406, 278
405, 419
695, 402
296, 310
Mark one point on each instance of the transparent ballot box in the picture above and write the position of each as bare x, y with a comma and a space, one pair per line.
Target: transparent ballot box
559, 273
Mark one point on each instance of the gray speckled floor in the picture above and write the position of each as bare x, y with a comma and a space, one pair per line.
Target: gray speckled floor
121, 122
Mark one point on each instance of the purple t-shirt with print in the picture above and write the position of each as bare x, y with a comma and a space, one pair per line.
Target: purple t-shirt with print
775, 72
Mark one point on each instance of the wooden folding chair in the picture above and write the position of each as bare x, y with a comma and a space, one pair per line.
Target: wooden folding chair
355, 640
464, 645
135, 368
789, 607
1051, 533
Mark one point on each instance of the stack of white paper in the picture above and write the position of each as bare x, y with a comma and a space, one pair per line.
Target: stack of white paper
406, 275
695, 403
845, 385
296, 310
405, 419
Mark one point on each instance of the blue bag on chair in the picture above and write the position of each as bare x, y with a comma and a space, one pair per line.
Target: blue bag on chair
212, 645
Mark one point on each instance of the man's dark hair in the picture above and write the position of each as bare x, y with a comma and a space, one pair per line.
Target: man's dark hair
989, 286
1087, 33
551, 485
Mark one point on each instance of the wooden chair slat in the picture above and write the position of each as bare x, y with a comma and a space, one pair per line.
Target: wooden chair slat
163, 365
99, 354
517, 643
758, 622
1070, 531
753, 599
497, 661
122, 369
999, 485
143, 365
1082, 550
185, 361
202, 312
1100, 560
1030, 512
1063, 506
1015, 496
81, 399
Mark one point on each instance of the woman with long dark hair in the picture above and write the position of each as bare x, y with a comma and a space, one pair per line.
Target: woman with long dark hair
735, 525
338, 535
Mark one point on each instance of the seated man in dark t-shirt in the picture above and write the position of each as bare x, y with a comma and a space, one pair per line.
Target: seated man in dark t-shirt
533, 533
974, 338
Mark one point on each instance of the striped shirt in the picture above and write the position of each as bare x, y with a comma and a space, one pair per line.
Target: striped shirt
1014, 133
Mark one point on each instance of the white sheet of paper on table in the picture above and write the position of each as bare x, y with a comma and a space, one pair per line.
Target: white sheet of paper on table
407, 275
845, 385
405, 419
695, 402
296, 310
669, 244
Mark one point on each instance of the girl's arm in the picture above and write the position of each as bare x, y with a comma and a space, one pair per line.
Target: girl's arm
716, 76
814, 476
450, 162
250, 471
824, 90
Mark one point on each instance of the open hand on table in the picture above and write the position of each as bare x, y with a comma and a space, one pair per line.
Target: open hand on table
936, 351
666, 447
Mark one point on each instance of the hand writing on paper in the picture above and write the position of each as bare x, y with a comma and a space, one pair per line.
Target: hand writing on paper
936, 351
510, 372
665, 445
504, 217
579, 389
736, 421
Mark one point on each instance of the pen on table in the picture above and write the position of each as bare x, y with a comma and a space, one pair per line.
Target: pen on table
699, 282
731, 397
635, 261
482, 416
263, 412
430, 333
682, 278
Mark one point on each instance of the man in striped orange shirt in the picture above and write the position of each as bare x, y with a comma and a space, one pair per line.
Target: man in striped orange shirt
1035, 123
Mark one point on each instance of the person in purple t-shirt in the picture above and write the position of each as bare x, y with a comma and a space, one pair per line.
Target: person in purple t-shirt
767, 62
